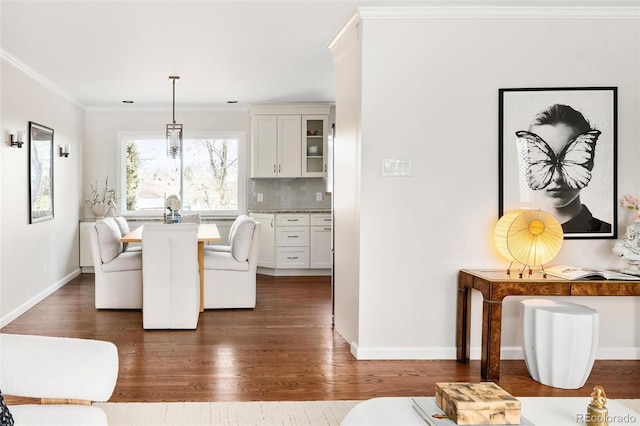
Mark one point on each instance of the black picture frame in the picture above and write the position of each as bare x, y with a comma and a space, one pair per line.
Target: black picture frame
40, 173
517, 109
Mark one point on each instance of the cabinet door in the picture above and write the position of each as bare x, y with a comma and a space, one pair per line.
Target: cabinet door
292, 257
289, 145
314, 145
266, 258
264, 146
320, 247
292, 219
86, 258
292, 236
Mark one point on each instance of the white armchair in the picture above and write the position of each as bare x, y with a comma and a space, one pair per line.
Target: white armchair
118, 273
227, 247
67, 374
191, 218
170, 280
230, 276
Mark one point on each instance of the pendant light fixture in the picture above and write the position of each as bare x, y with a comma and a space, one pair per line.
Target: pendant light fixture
174, 131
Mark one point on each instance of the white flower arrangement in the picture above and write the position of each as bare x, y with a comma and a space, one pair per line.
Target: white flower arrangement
106, 196
632, 203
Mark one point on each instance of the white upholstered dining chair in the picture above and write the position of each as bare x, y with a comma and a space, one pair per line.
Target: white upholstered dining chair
118, 272
191, 218
170, 277
227, 247
230, 276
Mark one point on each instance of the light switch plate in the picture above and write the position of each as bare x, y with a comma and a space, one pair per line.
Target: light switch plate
391, 167
260, 197
318, 196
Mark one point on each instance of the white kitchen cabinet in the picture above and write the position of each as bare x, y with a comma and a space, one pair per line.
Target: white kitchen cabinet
295, 243
86, 258
266, 258
264, 145
292, 257
292, 240
289, 146
320, 241
289, 140
314, 145
275, 146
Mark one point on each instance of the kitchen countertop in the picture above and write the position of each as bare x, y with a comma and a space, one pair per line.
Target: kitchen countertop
291, 210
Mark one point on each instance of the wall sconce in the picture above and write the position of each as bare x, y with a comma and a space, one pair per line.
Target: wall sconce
64, 150
16, 141
529, 237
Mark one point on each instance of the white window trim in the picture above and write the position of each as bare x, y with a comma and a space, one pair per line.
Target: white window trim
242, 169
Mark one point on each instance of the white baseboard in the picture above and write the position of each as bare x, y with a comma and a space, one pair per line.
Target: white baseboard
294, 272
440, 353
37, 298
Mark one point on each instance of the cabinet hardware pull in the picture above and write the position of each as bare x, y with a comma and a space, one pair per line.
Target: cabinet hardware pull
292, 220
292, 257
327, 229
279, 168
274, 168
293, 236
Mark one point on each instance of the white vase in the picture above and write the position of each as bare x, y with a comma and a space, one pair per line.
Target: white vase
100, 209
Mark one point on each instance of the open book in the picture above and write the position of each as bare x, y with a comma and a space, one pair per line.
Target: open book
572, 273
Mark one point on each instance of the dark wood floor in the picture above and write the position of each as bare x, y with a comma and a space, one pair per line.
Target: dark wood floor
283, 350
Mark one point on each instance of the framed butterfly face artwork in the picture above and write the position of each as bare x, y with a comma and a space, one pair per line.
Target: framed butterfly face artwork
557, 153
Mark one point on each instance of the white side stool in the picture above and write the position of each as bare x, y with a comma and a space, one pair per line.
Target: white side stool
559, 341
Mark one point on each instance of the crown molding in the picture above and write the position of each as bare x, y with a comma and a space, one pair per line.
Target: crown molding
497, 9
625, 9
35, 75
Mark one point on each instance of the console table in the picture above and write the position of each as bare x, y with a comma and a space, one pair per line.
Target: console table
495, 285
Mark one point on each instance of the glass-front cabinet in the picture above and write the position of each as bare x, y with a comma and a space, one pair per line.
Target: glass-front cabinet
314, 145
289, 140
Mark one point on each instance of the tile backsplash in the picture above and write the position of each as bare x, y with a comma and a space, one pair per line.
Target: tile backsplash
288, 194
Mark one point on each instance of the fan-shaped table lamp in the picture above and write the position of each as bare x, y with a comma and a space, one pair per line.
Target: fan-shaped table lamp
529, 237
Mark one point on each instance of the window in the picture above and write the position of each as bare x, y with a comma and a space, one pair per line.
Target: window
208, 176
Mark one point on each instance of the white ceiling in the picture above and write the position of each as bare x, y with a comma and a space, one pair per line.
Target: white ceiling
101, 52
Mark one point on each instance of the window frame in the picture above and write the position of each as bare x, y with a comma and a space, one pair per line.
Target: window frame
124, 136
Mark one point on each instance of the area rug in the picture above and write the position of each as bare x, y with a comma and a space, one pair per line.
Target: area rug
313, 413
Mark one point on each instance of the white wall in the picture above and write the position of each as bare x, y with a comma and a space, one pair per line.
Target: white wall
429, 94
102, 127
36, 258
346, 199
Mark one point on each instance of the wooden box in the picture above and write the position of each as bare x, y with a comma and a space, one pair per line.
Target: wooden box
477, 403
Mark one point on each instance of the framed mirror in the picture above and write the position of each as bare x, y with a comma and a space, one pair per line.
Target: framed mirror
40, 173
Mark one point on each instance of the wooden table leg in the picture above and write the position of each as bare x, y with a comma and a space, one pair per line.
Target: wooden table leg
201, 271
463, 324
491, 335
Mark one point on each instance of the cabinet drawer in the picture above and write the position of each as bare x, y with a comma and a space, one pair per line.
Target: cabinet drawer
292, 219
320, 219
292, 236
292, 257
